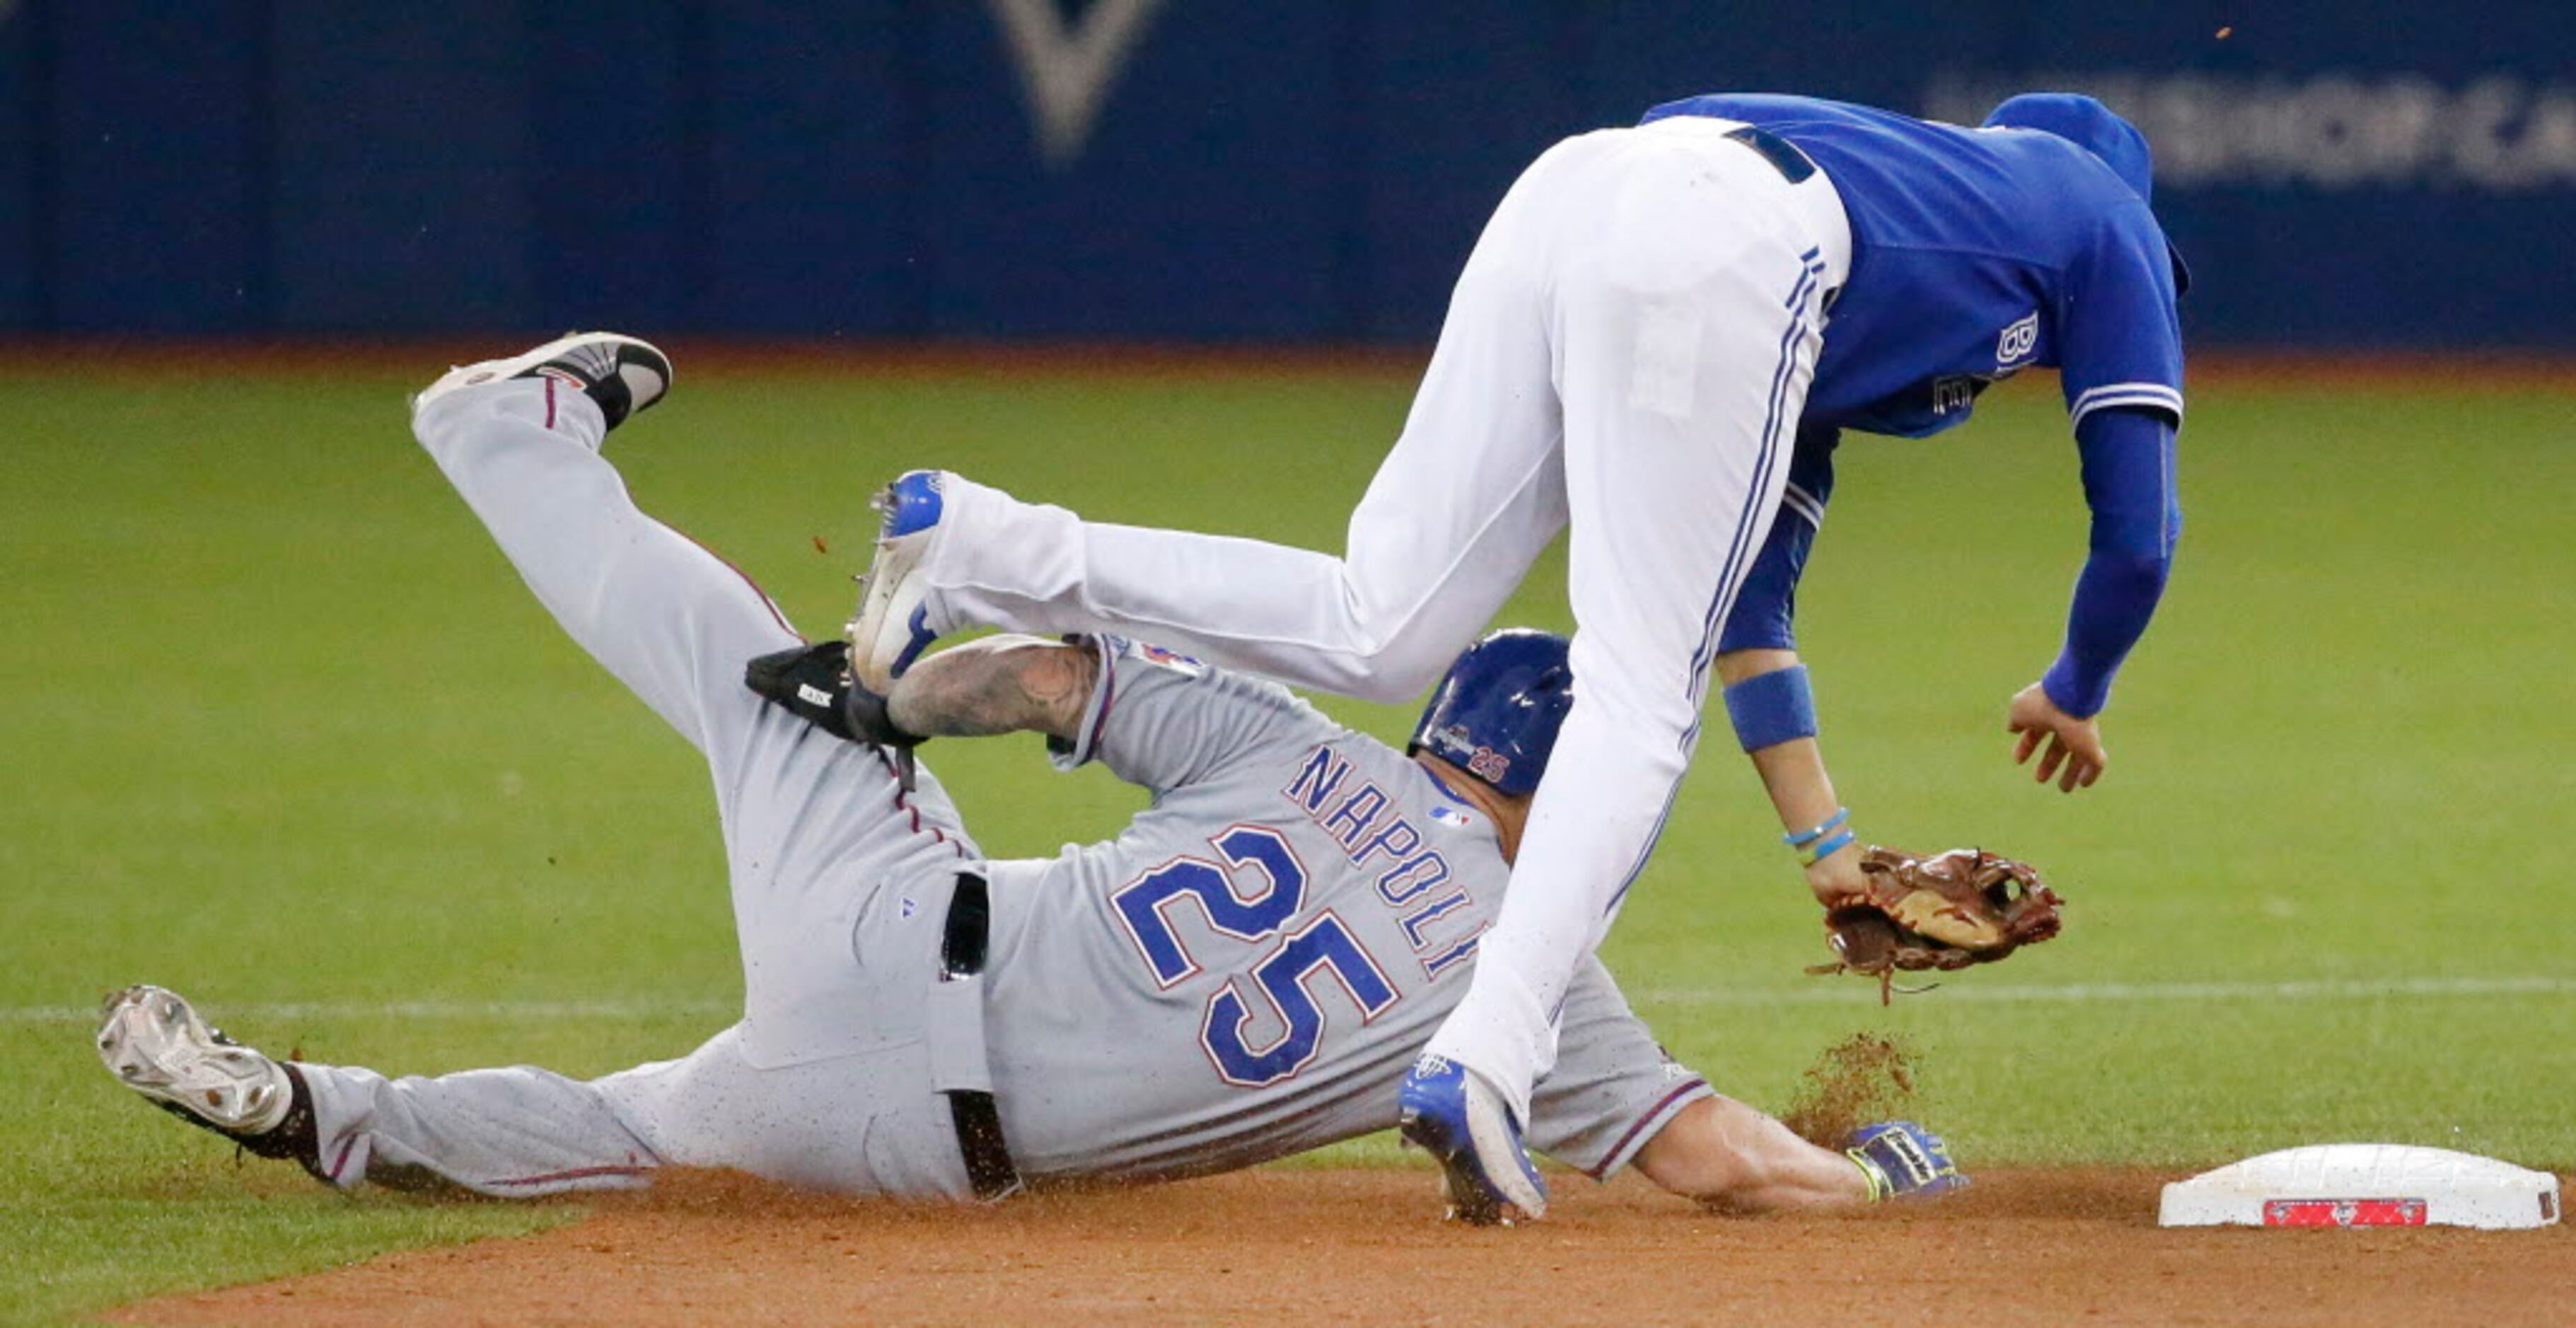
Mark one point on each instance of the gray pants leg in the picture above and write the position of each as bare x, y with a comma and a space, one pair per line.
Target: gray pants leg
839, 879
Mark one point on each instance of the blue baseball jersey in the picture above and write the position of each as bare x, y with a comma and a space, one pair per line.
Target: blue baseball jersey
1976, 253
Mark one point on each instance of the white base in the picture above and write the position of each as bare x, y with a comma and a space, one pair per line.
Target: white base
2358, 1185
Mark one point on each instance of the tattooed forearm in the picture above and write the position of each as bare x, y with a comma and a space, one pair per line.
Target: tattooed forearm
1001, 684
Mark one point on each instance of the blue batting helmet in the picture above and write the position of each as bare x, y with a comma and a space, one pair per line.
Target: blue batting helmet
1496, 713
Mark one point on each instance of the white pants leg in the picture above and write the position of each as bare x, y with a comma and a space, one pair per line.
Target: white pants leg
1469, 495
672, 621
1687, 306
1629, 349
859, 1124
839, 879
515, 1132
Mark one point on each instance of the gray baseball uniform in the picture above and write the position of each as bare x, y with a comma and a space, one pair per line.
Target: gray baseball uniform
1241, 974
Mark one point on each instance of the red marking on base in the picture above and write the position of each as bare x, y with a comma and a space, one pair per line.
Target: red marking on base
550, 403
2343, 1212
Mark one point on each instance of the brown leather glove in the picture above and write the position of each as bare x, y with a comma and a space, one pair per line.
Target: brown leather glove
1963, 907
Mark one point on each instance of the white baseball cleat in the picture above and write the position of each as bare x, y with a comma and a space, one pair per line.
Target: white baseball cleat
156, 1045
623, 374
893, 624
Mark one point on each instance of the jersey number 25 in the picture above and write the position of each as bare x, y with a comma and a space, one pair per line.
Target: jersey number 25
1284, 974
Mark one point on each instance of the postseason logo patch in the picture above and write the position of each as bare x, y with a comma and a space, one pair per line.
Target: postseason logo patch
1162, 658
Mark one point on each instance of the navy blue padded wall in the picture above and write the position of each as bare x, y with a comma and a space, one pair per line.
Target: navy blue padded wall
22, 119
1209, 200
810, 178
404, 162
1449, 124
159, 219
2371, 172
612, 235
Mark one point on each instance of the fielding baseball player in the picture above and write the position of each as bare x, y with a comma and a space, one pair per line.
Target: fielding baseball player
1657, 343
1243, 973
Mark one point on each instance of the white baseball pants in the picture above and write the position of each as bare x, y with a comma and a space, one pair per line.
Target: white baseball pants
1626, 353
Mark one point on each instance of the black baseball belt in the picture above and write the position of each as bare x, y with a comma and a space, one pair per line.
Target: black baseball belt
1791, 161
962, 947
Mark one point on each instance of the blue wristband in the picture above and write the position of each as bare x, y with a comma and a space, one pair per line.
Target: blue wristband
1806, 837
1772, 708
1826, 849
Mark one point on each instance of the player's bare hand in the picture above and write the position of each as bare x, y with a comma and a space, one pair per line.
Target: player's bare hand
2069, 749
1837, 879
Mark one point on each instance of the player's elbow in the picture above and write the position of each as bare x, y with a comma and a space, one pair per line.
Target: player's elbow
1391, 669
1392, 680
2135, 571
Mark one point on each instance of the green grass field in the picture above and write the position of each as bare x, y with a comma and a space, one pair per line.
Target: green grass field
281, 730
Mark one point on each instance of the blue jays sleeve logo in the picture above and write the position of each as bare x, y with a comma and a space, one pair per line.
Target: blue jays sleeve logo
2016, 342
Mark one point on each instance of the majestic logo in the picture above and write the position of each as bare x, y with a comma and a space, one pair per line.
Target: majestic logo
1955, 392
2016, 342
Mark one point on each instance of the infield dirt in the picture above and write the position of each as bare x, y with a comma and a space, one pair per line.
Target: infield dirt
1303, 1245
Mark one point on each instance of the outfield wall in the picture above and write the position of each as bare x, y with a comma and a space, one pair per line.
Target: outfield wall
2370, 173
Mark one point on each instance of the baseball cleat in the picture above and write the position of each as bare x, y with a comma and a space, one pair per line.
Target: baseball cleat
893, 623
156, 1045
623, 375
1448, 1111
1902, 1158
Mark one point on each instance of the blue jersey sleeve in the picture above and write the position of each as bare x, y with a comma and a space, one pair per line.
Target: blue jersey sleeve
2137, 517
1768, 601
2119, 337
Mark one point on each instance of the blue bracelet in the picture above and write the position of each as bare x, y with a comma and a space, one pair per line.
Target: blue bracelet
1801, 840
1772, 708
1831, 846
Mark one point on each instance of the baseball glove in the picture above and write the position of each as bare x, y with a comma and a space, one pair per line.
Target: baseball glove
1966, 906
